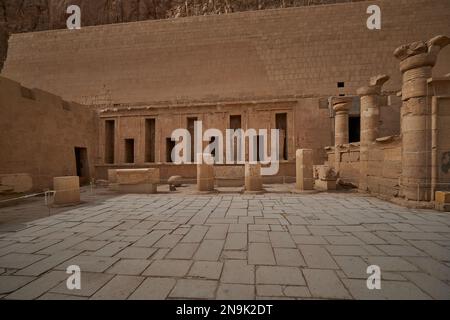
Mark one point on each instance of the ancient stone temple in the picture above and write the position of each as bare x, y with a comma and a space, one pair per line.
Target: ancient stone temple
310, 72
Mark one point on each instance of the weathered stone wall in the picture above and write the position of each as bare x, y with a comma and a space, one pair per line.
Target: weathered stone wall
307, 126
383, 169
296, 51
40, 132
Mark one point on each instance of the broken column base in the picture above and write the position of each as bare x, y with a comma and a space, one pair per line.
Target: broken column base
325, 185
325, 177
442, 201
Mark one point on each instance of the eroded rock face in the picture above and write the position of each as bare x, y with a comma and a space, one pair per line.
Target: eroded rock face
36, 15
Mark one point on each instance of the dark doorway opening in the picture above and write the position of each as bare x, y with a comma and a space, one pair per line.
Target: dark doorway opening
81, 162
235, 124
190, 128
354, 129
170, 144
281, 125
149, 140
109, 141
129, 150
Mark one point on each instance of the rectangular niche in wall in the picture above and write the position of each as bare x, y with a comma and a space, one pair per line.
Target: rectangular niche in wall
109, 141
190, 128
281, 125
129, 150
150, 140
170, 144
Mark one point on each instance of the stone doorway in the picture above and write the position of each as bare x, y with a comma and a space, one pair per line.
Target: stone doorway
82, 166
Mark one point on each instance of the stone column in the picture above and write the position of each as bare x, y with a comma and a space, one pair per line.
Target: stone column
67, 190
304, 169
205, 173
417, 60
370, 119
341, 106
253, 180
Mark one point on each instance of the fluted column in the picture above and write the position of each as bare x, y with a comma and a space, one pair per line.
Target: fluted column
370, 120
417, 60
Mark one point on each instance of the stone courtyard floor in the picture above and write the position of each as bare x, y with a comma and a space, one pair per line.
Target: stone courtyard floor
229, 246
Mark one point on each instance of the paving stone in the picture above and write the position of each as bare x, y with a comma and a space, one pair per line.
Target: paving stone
431, 266
279, 275
63, 245
433, 249
209, 250
168, 268
238, 271
368, 238
217, 232
281, 240
258, 227
350, 250
39, 286
260, 253
289, 257
344, 240
258, 236
194, 289
296, 291
325, 284
196, 234
150, 239
90, 245
183, 251
433, 287
89, 263
111, 249
119, 288
133, 252
391, 264
129, 267
353, 267
317, 257
168, 241
298, 239
235, 292
298, 230
395, 290
234, 255
90, 283
269, 290
153, 289
236, 241
19, 260
46, 264
58, 296
206, 269
401, 251
11, 283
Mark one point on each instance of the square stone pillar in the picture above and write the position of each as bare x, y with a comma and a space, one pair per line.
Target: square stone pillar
304, 169
253, 179
67, 190
205, 172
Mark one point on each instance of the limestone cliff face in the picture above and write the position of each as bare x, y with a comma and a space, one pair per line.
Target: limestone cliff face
35, 15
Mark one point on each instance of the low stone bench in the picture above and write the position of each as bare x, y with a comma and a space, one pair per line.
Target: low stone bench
137, 180
112, 180
67, 190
